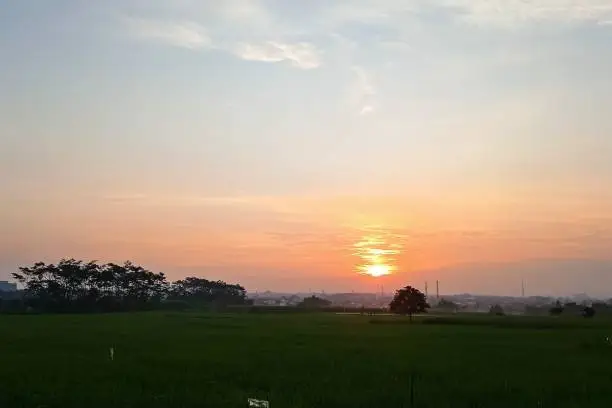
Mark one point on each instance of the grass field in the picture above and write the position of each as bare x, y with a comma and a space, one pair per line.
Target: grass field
308, 361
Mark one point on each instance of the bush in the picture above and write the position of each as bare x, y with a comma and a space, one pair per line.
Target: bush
497, 310
12, 306
556, 311
588, 312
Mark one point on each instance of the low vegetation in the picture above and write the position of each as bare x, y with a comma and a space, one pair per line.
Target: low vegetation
292, 356
189, 360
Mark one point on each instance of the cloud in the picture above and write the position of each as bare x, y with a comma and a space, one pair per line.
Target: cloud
301, 55
492, 13
366, 109
363, 91
512, 13
254, 30
193, 36
188, 35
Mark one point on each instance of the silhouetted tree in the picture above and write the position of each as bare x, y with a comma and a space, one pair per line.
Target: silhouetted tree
497, 310
199, 291
314, 302
588, 312
408, 301
77, 286
602, 308
573, 308
557, 309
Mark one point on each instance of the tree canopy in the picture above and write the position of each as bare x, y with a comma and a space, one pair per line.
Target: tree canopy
497, 310
557, 309
408, 301
588, 311
78, 286
314, 302
199, 290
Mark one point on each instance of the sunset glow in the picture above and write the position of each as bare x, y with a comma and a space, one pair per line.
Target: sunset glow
377, 271
377, 253
283, 146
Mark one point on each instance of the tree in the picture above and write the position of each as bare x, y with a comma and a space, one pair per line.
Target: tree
408, 301
497, 310
314, 302
573, 308
557, 309
588, 312
204, 292
76, 286
602, 307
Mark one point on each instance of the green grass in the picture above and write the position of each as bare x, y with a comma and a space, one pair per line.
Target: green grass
306, 360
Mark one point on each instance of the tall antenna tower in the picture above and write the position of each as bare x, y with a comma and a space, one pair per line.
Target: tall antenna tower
438, 290
523, 287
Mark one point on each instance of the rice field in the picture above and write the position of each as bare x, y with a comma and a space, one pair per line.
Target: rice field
302, 361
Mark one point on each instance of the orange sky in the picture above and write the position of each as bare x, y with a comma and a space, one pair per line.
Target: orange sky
259, 141
296, 243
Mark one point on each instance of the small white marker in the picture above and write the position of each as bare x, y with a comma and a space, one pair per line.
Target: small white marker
111, 351
255, 403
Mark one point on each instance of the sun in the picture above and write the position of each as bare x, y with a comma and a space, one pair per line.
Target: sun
378, 270
377, 251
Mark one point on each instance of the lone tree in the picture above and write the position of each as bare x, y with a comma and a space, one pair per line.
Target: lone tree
408, 301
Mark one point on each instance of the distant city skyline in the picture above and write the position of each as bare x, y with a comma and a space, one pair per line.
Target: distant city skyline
286, 145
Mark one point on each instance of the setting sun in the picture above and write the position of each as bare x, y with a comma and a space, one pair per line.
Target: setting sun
377, 251
378, 270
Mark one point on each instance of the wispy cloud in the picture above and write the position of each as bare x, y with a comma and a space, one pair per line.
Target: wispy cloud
363, 91
492, 13
178, 34
192, 35
301, 55
512, 13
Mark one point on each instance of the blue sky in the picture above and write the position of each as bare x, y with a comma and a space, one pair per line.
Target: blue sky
131, 118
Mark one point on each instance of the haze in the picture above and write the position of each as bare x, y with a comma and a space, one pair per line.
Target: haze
260, 142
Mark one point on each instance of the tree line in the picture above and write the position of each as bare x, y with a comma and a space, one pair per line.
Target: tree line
77, 286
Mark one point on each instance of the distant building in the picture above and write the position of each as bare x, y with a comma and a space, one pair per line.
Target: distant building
8, 287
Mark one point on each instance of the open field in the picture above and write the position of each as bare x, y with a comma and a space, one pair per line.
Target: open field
305, 360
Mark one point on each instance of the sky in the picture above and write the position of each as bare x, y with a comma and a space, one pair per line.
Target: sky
306, 145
